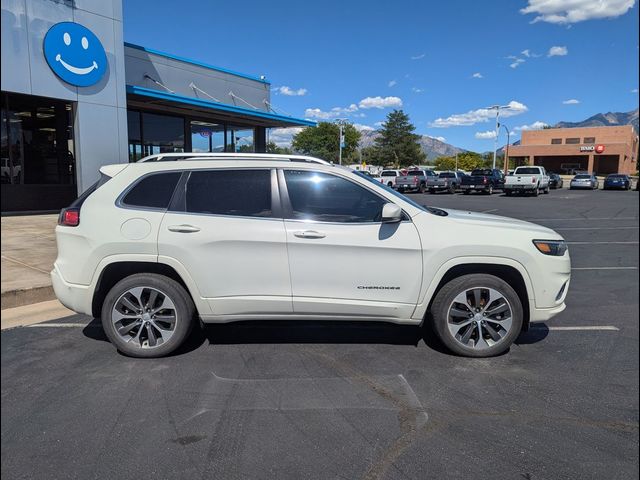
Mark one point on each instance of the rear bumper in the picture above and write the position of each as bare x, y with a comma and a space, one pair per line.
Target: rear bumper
75, 297
525, 186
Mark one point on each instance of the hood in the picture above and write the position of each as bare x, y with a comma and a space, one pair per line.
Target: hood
486, 220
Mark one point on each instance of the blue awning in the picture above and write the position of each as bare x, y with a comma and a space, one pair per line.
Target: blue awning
267, 119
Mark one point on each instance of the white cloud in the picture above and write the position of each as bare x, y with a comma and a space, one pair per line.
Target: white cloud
335, 112
363, 128
488, 135
517, 62
573, 11
380, 102
379, 124
417, 90
526, 53
477, 75
392, 83
283, 136
480, 115
284, 90
557, 52
419, 57
442, 139
534, 126
571, 101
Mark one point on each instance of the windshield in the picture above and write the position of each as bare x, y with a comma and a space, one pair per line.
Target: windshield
415, 173
583, 177
389, 173
481, 172
447, 175
392, 191
527, 171
616, 176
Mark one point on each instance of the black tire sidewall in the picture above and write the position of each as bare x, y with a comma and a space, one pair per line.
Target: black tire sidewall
446, 295
178, 295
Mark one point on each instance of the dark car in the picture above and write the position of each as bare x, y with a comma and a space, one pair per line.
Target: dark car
555, 181
484, 180
617, 181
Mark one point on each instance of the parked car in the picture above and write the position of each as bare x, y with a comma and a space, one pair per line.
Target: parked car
445, 182
414, 181
617, 181
585, 180
388, 177
156, 247
484, 180
531, 179
555, 181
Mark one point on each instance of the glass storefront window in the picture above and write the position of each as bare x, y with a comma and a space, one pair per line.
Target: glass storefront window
151, 133
240, 139
37, 141
207, 137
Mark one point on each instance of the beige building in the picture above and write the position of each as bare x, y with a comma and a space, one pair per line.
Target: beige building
602, 150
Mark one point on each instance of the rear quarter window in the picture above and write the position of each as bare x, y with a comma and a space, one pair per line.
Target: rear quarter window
152, 191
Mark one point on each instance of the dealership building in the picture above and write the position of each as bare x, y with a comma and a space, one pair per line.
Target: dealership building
602, 150
75, 96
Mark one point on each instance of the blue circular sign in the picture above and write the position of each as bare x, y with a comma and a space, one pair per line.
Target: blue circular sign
75, 54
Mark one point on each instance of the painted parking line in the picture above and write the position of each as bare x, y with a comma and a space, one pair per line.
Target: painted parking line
604, 268
60, 325
577, 219
604, 328
489, 211
596, 228
602, 243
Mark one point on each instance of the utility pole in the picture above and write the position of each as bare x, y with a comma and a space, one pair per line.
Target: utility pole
497, 108
456, 162
506, 152
341, 123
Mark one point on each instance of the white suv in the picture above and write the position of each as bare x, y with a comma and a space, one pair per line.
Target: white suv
156, 245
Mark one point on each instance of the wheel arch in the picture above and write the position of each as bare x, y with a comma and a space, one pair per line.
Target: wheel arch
508, 270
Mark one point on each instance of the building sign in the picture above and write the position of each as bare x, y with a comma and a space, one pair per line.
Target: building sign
590, 148
599, 148
75, 54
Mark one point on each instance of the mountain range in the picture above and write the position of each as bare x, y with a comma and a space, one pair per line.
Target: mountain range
609, 119
432, 147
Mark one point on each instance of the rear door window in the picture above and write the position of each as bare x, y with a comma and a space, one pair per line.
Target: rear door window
241, 193
152, 191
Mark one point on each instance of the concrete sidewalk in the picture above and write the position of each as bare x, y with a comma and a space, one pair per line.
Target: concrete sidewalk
28, 252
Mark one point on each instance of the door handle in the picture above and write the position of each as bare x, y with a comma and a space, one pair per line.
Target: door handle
183, 228
309, 234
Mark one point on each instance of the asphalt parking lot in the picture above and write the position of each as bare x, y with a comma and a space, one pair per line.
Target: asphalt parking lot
347, 401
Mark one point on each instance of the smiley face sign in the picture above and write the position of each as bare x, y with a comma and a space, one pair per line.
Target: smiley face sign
75, 54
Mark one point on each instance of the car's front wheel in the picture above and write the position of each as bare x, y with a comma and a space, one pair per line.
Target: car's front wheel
477, 315
147, 315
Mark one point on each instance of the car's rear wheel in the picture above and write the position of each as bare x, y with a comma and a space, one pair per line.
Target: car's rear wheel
477, 315
536, 191
147, 315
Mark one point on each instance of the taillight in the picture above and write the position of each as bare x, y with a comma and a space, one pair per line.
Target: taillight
484, 180
415, 179
69, 217
534, 179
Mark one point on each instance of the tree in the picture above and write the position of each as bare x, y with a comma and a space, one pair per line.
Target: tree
323, 141
274, 148
397, 142
466, 161
372, 155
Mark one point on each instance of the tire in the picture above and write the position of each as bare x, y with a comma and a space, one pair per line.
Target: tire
422, 188
536, 191
508, 193
546, 191
452, 189
489, 191
444, 322
432, 191
390, 184
466, 192
135, 340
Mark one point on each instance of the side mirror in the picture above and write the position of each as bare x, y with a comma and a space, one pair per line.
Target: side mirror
391, 213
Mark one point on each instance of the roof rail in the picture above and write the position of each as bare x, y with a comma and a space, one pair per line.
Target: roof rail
166, 157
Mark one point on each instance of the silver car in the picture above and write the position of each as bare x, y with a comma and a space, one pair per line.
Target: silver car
585, 180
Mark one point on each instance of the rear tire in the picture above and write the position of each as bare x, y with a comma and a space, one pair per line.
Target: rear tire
147, 315
536, 191
484, 334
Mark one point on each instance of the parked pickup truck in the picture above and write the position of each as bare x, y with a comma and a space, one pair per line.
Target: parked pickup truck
484, 180
414, 181
388, 177
528, 179
444, 182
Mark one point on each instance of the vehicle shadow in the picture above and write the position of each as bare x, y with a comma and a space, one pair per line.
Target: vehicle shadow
310, 332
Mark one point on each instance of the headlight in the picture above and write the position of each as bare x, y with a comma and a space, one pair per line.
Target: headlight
555, 248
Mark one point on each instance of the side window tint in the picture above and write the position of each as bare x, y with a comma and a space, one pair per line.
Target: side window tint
153, 191
243, 193
328, 198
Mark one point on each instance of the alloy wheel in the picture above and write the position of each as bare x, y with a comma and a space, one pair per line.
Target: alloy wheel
144, 316
479, 318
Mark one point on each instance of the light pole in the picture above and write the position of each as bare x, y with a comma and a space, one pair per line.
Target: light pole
506, 152
341, 123
497, 108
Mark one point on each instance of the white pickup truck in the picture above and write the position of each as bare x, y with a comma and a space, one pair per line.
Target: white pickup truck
530, 179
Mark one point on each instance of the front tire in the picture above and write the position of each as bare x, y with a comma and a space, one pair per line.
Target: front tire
147, 315
477, 315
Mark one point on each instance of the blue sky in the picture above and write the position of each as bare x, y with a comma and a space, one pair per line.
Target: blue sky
441, 62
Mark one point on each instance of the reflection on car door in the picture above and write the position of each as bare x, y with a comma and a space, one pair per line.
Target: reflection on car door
223, 229
337, 246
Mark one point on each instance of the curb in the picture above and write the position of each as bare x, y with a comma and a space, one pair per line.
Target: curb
27, 296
